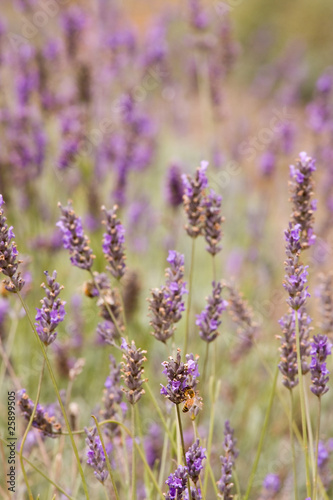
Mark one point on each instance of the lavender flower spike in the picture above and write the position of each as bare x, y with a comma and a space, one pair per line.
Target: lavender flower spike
8, 255
228, 460
209, 319
52, 311
320, 349
194, 458
182, 377
177, 483
132, 371
42, 421
194, 200
301, 187
212, 227
96, 456
74, 238
113, 243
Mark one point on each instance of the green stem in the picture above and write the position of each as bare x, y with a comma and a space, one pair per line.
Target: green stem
27, 430
48, 364
235, 478
187, 325
133, 455
183, 449
213, 397
291, 419
205, 364
108, 465
59, 488
163, 460
214, 268
301, 388
309, 427
262, 436
315, 480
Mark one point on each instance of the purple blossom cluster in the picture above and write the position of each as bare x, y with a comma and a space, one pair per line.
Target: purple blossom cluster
52, 311
194, 200
132, 371
320, 349
225, 483
95, 455
209, 320
42, 421
181, 377
113, 243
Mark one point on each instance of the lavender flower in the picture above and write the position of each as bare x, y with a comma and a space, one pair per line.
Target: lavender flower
194, 457
174, 186
42, 421
74, 238
320, 349
52, 311
177, 483
132, 371
8, 255
272, 483
296, 273
112, 398
181, 377
326, 303
301, 187
228, 460
209, 319
194, 200
213, 221
288, 364
113, 243
96, 457
166, 305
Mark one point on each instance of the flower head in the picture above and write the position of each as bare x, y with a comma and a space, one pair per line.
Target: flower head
52, 311
42, 421
209, 320
74, 239
112, 397
194, 200
320, 349
181, 377
213, 222
272, 483
133, 370
228, 460
174, 189
177, 483
194, 458
113, 243
95, 455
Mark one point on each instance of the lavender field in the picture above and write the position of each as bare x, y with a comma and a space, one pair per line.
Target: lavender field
166, 245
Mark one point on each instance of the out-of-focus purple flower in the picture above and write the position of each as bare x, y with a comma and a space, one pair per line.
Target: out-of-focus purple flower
133, 370
320, 349
194, 200
52, 311
267, 163
209, 319
71, 124
323, 454
272, 483
42, 421
73, 22
228, 460
177, 483
296, 273
166, 304
213, 221
326, 303
174, 189
194, 458
74, 239
320, 109
112, 398
95, 455
113, 243
301, 188
153, 444
8, 255
198, 17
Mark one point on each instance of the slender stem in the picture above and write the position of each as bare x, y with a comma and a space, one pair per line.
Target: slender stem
160, 414
183, 449
315, 480
106, 457
205, 365
301, 388
309, 427
133, 455
48, 364
28, 428
213, 397
262, 436
235, 478
187, 326
214, 267
164, 455
291, 419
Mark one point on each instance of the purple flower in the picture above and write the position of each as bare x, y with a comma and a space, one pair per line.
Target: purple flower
301, 187
177, 483
52, 311
74, 239
213, 221
181, 378
272, 483
228, 460
8, 255
113, 243
209, 319
112, 398
320, 349
174, 188
194, 200
42, 420
133, 370
194, 458
95, 455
